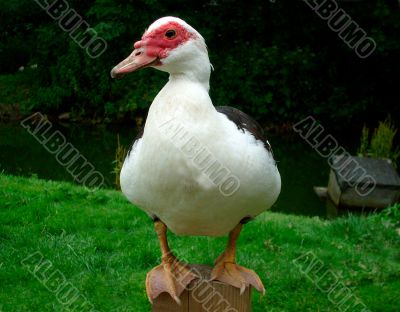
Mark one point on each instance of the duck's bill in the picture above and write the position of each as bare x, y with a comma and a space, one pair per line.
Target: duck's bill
137, 60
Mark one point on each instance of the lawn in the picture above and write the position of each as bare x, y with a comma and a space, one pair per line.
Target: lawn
97, 246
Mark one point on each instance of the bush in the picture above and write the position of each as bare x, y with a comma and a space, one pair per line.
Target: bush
276, 63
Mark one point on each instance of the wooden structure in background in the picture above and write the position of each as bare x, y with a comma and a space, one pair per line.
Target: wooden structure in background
205, 296
363, 182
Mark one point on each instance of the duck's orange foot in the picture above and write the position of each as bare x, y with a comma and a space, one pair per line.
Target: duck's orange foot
237, 276
170, 276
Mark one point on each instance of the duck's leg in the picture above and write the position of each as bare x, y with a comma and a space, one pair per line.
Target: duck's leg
226, 270
171, 275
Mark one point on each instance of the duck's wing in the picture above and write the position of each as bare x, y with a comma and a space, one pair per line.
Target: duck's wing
245, 122
137, 138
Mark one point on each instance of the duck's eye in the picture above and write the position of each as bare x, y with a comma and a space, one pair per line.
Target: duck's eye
170, 34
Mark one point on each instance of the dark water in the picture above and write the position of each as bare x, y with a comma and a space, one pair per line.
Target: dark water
300, 166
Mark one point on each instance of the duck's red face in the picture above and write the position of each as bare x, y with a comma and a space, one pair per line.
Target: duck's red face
154, 46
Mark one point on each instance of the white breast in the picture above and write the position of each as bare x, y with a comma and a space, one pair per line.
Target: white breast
194, 169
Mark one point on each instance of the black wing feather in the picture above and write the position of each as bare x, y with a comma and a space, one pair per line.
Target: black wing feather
245, 122
138, 137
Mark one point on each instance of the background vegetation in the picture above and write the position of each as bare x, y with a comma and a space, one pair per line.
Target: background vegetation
381, 143
276, 60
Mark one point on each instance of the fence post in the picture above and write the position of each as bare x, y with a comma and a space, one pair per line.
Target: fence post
205, 296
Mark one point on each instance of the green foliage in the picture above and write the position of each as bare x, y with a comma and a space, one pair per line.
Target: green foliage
265, 63
266, 81
382, 142
392, 215
104, 246
120, 154
364, 142
14, 93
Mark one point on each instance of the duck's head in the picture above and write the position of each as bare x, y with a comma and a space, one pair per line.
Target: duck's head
170, 45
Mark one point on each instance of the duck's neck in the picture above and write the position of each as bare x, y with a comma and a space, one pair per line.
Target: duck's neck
185, 95
197, 70
191, 77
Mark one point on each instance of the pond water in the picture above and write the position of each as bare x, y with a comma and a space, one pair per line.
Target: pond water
300, 166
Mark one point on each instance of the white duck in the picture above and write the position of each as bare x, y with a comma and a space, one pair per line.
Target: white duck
196, 169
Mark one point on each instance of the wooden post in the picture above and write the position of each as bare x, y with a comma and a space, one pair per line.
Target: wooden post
204, 296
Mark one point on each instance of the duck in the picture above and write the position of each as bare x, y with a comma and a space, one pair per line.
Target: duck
196, 169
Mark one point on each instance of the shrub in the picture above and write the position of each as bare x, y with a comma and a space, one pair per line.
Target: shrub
381, 144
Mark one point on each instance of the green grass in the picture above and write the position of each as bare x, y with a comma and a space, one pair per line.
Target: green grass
104, 246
